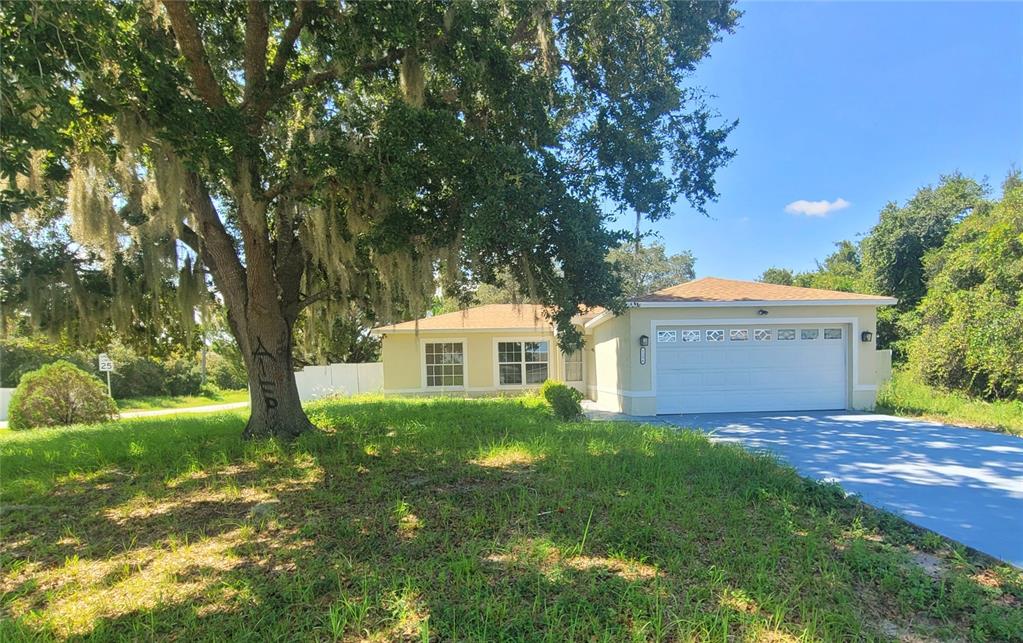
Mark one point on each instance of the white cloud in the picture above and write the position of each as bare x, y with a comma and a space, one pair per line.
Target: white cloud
816, 208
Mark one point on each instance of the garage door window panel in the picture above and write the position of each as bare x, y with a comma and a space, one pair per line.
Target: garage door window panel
809, 334
738, 334
715, 335
832, 333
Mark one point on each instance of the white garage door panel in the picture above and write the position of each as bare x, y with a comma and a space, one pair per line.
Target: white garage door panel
772, 375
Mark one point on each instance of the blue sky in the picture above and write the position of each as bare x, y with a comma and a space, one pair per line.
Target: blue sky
858, 102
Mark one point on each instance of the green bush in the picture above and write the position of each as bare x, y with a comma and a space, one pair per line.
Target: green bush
59, 394
20, 355
135, 375
181, 376
564, 400
225, 372
969, 322
210, 390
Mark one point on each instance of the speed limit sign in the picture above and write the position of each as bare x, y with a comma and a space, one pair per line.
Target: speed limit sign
105, 363
105, 366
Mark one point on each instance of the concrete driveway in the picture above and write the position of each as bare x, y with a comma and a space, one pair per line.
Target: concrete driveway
965, 484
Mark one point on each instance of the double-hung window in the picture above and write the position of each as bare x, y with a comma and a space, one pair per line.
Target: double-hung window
445, 364
574, 366
522, 362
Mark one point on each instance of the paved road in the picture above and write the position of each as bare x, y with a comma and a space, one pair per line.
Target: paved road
209, 408
965, 484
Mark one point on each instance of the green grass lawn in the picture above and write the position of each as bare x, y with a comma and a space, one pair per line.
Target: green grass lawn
904, 395
459, 519
180, 401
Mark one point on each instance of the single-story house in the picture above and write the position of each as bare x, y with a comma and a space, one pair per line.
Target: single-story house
708, 345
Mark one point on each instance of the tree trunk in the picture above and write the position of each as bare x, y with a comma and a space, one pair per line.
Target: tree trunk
275, 408
261, 310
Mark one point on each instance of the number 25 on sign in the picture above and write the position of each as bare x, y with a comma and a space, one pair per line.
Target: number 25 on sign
105, 366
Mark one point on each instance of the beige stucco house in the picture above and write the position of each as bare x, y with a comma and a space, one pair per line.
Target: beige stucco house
709, 345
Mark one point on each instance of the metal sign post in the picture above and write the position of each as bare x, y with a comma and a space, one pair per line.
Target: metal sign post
106, 365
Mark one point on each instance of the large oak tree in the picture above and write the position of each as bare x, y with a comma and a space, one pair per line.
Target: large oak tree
347, 153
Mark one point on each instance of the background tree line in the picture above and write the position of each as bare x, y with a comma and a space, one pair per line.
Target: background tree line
953, 256
159, 351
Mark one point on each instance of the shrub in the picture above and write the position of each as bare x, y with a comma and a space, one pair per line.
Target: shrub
210, 390
181, 376
134, 375
564, 400
59, 394
20, 355
969, 338
225, 372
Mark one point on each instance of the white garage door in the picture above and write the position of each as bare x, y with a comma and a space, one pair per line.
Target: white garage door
750, 368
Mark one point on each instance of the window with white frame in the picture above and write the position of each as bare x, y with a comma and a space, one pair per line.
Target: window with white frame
809, 333
738, 334
762, 334
522, 362
445, 364
786, 334
574, 366
690, 336
832, 333
715, 335
666, 336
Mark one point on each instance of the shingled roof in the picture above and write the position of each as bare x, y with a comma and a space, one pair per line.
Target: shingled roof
708, 290
490, 316
712, 289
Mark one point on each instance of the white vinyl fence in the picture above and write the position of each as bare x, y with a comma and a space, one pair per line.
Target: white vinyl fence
5, 400
315, 382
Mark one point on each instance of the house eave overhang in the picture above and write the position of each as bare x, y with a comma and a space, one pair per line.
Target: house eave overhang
877, 301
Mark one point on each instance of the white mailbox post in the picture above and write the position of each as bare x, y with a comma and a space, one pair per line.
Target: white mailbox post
106, 365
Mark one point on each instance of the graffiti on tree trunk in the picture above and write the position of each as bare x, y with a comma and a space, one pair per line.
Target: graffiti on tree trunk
266, 385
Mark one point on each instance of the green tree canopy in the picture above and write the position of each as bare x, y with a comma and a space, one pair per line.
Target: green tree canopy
841, 270
317, 154
779, 276
893, 251
651, 268
967, 330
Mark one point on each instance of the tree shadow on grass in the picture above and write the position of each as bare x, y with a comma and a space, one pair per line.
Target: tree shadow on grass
456, 519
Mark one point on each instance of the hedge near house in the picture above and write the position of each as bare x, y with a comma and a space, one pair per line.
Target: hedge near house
59, 394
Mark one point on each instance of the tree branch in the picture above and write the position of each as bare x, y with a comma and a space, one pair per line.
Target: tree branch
294, 187
215, 244
286, 48
325, 76
190, 238
256, 34
309, 300
186, 32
